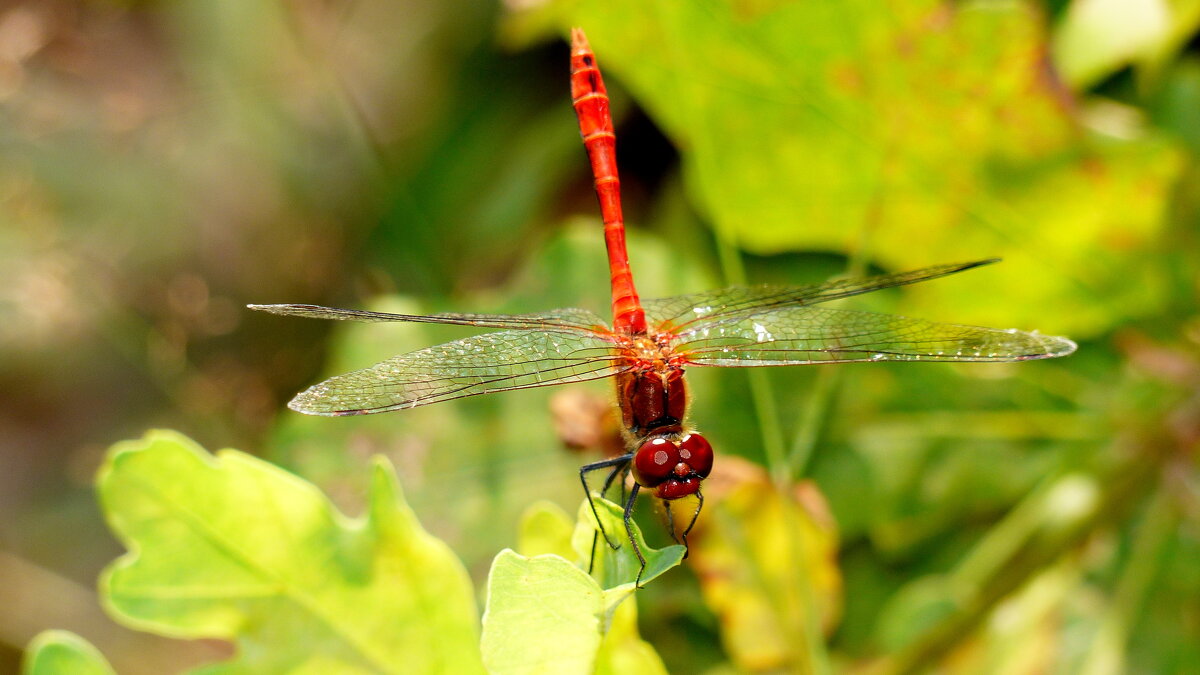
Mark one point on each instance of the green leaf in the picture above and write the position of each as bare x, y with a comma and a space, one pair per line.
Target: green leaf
616, 569
623, 651
545, 528
546, 615
917, 133
234, 548
60, 652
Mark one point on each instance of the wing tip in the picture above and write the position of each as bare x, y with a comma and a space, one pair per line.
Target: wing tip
1060, 346
310, 402
980, 263
1047, 346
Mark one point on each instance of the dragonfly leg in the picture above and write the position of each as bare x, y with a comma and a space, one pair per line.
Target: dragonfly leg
622, 470
670, 521
619, 470
699, 505
637, 583
619, 464
624, 476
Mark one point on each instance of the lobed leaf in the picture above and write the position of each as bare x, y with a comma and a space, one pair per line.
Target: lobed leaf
234, 548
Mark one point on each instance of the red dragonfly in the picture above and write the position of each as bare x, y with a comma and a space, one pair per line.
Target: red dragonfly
649, 344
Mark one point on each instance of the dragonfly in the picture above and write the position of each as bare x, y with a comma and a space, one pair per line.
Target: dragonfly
649, 344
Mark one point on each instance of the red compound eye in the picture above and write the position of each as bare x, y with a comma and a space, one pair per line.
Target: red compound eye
697, 453
654, 461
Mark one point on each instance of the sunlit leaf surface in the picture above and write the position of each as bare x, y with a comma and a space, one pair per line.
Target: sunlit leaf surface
233, 548
545, 528
544, 615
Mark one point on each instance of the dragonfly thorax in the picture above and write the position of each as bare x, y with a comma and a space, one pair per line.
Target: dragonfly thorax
673, 464
652, 352
652, 401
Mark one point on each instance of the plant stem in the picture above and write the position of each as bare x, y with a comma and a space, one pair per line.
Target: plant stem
761, 393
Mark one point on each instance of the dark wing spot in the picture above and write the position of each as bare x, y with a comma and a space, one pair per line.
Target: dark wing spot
588, 60
594, 80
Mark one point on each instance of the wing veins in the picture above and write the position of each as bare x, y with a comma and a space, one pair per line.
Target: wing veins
450, 394
812, 294
546, 322
497, 361
447, 378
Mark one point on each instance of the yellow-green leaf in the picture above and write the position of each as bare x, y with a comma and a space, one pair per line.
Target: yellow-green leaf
234, 548
59, 652
545, 528
544, 615
623, 651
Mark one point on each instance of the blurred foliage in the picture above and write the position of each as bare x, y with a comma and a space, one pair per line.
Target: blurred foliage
57, 652
767, 564
166, 163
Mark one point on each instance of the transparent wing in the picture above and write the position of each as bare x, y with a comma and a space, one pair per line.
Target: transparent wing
500, 361
570, 319
684, 310
799, 335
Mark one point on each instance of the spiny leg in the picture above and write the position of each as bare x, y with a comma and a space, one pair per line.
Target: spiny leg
624, 479
619, 465
584, 470
699, 505
670, 520
619, 469
637, 583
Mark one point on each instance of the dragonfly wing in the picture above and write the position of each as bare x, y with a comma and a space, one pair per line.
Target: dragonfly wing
799, 335
684, 310
500, 361
570, 319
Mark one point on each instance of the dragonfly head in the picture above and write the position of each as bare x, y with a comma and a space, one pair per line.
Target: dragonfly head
674, 465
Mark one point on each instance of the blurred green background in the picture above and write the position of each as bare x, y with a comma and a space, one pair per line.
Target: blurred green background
165, 163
